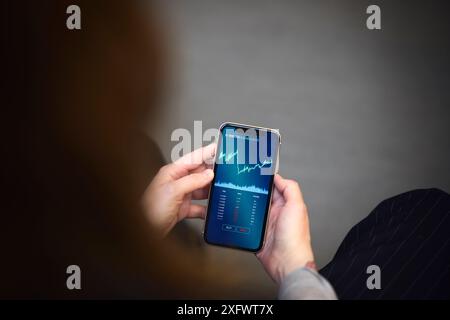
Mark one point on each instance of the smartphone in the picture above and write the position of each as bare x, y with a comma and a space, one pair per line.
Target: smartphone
240, 195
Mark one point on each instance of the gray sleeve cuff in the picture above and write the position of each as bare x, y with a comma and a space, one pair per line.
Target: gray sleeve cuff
305, 284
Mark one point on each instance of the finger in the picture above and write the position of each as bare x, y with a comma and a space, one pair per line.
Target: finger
194, 161
289, 189
201, 194
196, 211
197, 157
202, 168
175, 171
198, 169
170, 172
192, 182
277, 197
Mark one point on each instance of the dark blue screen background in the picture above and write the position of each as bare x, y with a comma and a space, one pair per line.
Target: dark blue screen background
240, 194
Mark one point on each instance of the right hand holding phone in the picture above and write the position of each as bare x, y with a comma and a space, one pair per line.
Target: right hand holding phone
288, 241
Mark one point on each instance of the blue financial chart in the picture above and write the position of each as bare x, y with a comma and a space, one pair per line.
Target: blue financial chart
242, 187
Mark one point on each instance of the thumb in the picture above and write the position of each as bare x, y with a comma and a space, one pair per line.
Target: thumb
192, 182
289, 189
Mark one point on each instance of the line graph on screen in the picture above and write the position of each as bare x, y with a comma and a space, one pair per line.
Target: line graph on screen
244, 168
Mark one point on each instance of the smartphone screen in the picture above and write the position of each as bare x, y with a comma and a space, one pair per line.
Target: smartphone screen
239, 200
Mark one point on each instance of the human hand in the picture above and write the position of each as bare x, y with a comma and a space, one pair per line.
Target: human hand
167, 199
288, 241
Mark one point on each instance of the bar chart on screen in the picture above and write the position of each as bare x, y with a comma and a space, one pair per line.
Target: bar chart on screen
250, 188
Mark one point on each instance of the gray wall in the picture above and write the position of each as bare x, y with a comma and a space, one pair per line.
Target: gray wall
364, 114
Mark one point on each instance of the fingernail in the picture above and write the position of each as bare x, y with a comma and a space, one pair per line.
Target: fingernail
209, 173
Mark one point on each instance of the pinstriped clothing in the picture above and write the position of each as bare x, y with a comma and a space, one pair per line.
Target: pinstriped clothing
408, 237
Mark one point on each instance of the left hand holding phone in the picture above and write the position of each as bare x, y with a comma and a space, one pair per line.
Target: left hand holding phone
168, 198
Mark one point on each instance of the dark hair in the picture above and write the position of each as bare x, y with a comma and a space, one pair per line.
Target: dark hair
77, 160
